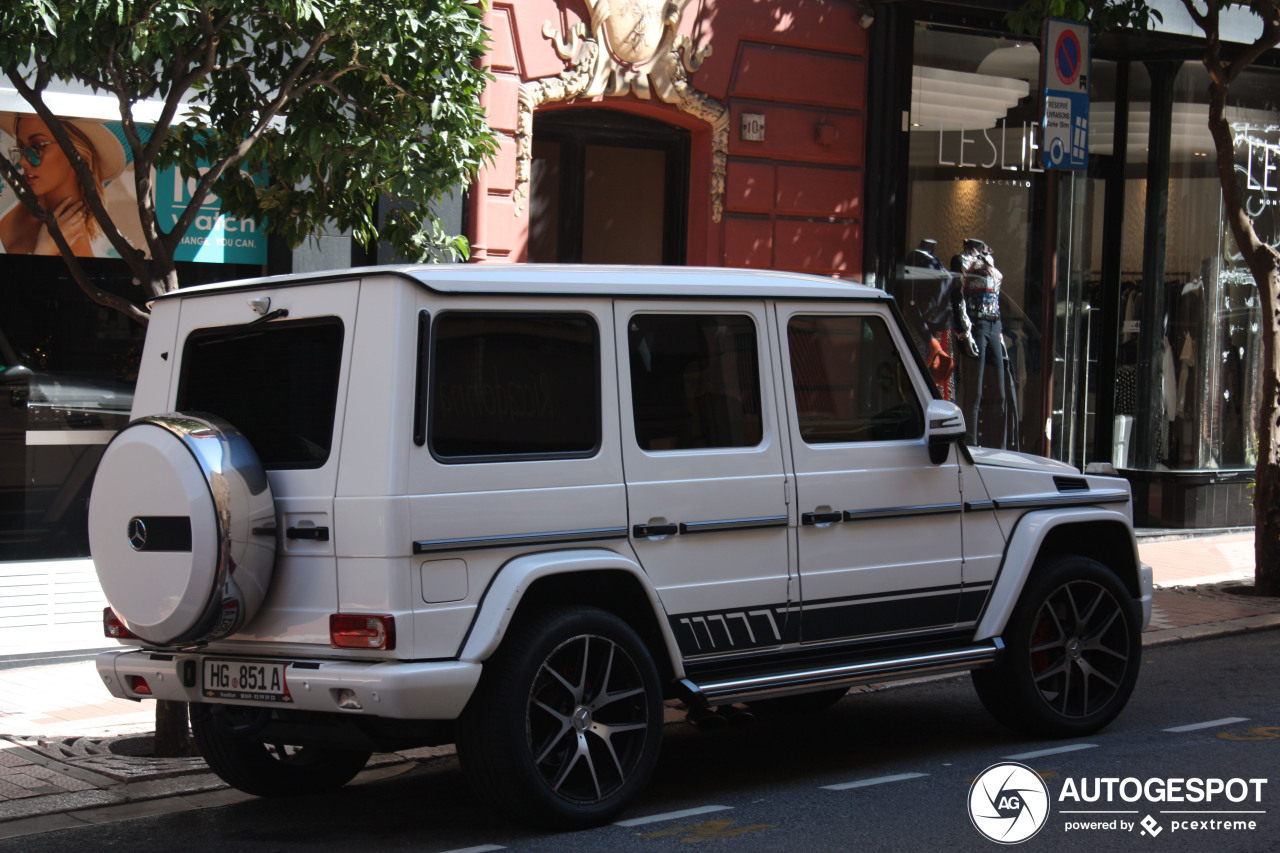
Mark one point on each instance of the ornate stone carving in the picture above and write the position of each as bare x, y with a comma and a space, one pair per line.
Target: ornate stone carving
632, 46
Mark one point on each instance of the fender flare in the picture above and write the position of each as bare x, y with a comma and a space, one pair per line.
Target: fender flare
1024, 545
507, 589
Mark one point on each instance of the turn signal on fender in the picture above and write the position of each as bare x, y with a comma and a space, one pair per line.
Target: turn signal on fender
360, 631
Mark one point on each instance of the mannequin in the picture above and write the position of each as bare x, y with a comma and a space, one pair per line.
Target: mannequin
925, 298
978, 320
923, 255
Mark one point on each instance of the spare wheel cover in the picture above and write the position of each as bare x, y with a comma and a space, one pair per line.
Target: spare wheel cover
182, 528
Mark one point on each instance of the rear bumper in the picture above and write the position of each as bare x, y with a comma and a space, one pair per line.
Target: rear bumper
405, 691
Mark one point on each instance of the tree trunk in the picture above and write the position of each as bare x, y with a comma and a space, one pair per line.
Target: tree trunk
1264, 263
1266, 493
172, 729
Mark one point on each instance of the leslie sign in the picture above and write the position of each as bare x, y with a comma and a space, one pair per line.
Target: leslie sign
1066, 95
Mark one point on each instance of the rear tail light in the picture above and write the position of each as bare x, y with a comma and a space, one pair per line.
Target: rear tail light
359, 631
138, 684
114, 628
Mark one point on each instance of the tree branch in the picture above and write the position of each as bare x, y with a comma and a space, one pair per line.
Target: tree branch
290, 88
1269, 38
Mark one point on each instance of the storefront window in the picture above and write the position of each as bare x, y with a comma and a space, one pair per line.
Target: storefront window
1095, 358
67, 372
970, 287
1207, 372
1156, 353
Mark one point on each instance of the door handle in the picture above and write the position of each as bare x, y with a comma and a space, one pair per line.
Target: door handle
315, 534
821, 517
643, 530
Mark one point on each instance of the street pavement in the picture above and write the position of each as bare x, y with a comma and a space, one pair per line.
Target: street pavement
72, 755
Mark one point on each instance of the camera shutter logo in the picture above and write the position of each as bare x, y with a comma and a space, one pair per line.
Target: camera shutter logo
1008, 803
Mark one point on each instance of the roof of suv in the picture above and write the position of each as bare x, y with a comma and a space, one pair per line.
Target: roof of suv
580, 280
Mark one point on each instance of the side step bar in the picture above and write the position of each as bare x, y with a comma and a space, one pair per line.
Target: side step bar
807, 680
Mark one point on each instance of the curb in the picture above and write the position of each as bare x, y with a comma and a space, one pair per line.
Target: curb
117, 801
1209, 630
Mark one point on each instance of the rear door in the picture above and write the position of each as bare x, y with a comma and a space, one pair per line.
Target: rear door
518, 451
880, 525
706, 492
278, 377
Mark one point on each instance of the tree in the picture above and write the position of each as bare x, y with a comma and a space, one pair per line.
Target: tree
305, 113
1224, 64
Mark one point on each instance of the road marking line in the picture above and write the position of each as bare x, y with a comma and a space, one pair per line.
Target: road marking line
479, 848
879, 780
641, 821
1040, 753
1225, 721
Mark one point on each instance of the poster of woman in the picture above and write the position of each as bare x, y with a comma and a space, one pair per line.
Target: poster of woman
33, 151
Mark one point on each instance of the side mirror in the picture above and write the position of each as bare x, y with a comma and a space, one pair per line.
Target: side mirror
944, 425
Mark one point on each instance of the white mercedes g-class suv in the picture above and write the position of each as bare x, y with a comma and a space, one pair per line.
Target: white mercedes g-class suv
518, 508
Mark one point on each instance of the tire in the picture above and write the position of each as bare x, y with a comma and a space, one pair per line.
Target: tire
565, 725
267, 770
799, 705
1073, 649
182, 529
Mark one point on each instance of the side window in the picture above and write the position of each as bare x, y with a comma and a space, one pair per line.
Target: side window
514, 386
277, 383
850, 382
695, 381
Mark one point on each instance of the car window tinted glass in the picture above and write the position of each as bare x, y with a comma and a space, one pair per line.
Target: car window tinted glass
515, 385
850, 382
695, 381
276, 382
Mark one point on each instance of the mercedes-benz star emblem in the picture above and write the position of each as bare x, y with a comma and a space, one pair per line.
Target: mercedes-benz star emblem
137, 534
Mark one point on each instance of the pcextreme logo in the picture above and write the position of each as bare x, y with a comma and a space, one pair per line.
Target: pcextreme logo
1008, 803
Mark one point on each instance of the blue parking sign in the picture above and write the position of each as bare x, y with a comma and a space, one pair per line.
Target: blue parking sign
1066, 95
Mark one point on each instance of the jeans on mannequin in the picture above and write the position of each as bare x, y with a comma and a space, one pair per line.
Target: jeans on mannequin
986, 334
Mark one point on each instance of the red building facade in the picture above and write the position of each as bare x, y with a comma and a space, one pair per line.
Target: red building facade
667, 131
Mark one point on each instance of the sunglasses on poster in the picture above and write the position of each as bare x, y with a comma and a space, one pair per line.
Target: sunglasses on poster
34, 153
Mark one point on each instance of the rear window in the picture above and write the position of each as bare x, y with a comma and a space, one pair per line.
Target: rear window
276, 382
514, 386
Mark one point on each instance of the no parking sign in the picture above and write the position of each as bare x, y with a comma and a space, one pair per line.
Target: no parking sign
1066, 95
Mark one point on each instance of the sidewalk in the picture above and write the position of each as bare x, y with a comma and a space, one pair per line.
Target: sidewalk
72, 755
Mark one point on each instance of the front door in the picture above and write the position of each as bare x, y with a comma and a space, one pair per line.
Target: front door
707, 506
607, 188
880, 550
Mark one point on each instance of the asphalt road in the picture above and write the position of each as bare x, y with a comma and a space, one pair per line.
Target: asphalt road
887, 771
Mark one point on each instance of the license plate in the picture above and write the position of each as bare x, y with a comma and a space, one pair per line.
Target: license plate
245, 679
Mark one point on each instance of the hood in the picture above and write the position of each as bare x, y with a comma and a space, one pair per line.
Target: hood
1023, 461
